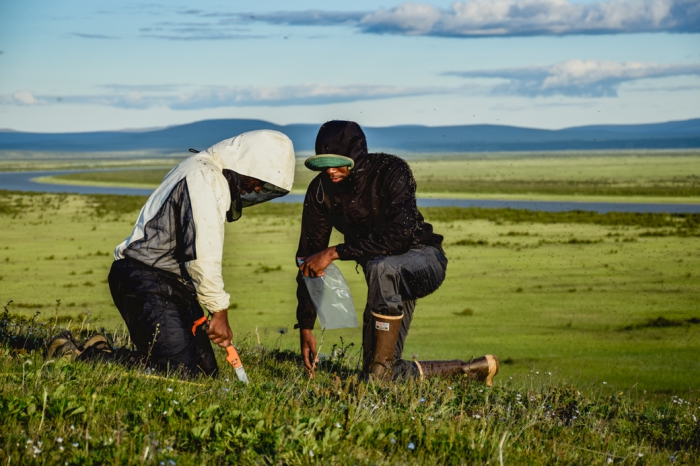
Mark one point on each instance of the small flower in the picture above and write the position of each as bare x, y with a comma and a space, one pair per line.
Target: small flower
311, 453
672, 458
481, 391
149, 405
411, 446
59, 440
449, 388
72, 427
393, 440
337, 425
477, 416
75, 445
30, 441
610, 460
162, 463
605, 383
172, 462
36, 449
165, 413
537, 373
640, 454
422, 400
60, 448
170, 390
431, 418
176, 402
412, 418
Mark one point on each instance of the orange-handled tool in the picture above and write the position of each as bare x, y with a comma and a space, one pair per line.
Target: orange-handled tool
231, 356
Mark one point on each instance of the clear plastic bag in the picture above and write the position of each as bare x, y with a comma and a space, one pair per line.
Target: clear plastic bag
331, 296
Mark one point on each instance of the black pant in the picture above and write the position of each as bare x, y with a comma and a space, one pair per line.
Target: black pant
159, 311
393, 285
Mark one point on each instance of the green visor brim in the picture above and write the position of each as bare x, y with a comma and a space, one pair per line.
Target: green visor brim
324, 161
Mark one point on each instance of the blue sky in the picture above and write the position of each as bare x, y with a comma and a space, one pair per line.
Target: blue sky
89, 65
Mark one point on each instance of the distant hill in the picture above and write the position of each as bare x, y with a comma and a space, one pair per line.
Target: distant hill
401, 139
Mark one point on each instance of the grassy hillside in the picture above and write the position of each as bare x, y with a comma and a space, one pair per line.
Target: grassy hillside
595, 318
61, 412
591, 298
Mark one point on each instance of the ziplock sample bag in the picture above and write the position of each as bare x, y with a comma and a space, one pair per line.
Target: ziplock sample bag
332, 299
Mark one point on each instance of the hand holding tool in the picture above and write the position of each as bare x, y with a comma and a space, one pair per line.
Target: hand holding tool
232, 355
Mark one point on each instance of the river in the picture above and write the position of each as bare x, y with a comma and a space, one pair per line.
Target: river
24, 181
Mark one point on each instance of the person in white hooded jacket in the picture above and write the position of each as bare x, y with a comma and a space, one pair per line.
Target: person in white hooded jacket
172, 261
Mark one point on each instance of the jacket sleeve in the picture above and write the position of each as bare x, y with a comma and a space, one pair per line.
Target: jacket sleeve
399, 222
210, 199
315, 234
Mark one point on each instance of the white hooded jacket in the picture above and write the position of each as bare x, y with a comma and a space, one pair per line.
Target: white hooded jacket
180, 229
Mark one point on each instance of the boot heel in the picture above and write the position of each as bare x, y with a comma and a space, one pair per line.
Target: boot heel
493, 369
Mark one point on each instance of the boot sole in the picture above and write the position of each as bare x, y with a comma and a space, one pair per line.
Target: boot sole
493, 369
60, 348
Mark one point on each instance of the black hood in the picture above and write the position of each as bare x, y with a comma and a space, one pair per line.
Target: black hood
341, 138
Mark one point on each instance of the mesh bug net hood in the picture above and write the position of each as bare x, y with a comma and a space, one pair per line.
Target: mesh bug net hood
265, 155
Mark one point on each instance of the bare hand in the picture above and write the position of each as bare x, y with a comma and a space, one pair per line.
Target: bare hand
315, 265
308, 351
219, 330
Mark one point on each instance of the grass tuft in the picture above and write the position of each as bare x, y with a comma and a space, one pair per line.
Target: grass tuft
102, 413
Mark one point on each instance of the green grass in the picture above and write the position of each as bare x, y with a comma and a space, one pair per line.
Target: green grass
653, 176
595, 319
567, 293
43, 160
101, 413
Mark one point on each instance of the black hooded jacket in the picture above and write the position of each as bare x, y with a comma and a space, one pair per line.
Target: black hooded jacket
374, 208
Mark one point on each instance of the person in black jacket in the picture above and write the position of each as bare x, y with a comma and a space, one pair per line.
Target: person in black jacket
371, 200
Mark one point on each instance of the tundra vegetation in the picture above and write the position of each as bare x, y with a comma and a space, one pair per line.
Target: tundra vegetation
595, 319
649, 177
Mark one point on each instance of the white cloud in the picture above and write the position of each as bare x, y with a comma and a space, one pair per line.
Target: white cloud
141, 97
483, 18
22, 97
581, 78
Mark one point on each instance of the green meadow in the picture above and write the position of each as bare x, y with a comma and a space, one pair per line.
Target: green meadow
595, 319
635, 176
590, 298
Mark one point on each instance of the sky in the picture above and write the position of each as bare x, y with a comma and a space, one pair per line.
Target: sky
79, 65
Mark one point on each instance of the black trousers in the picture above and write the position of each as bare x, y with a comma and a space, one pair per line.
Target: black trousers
159, 311
394, 283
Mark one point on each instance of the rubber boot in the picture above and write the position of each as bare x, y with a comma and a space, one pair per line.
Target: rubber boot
386, 334
443, 368
482, 369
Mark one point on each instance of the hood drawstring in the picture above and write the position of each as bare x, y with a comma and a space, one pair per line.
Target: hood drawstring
323, 193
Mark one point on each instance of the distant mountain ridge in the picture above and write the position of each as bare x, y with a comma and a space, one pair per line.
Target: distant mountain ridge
414, 139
